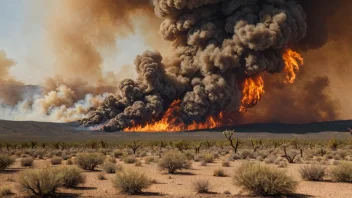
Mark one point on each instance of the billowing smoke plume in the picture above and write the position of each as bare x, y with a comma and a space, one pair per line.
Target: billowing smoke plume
320, 91
79, 32
10, 89
217, 44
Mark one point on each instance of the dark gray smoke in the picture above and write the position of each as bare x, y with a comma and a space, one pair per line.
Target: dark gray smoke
217, 44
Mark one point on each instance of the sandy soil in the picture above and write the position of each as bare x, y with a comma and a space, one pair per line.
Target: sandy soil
179, 185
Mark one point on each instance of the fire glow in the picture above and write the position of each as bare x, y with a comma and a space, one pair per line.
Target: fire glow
170, 123
252, 92
293, 61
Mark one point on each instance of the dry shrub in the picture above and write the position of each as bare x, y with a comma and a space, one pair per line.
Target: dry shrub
173, 161
69, 162
263, 180
72, 176
225, 163
56, 160
131, 182
208, 157
138, 163
149, 160
342, 172
203, 163
89, 161
129, 159
5, 162
5, 191
201, 186
219, 172
270, 159
27, 161
41, 183
247, 154
118, 153
282, 164
313, 172
109, 167
101, 176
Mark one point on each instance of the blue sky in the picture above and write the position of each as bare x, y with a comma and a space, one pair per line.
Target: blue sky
22, 37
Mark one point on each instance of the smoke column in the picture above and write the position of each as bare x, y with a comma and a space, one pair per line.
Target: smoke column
217, 44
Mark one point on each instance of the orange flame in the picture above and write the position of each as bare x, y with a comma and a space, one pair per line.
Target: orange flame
293, 61
170, 122
253, 89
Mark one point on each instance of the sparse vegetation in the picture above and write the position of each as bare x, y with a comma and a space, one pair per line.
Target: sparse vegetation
5, 191
41, 182
173, 161
131, 182
219, 172
201, 186
312, 172
56, 160
27, 161
89, 161
342, 172
321, 159
5, 162
71, 176
263, 180
129, 159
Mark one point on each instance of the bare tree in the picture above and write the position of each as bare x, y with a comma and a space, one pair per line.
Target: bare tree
256, 144
135, 145
234, 142
197, 146
103, 144
291, 157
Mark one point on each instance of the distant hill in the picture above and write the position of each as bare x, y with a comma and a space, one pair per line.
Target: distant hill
28, 130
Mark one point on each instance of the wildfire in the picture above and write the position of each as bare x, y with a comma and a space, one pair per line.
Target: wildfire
171, 123
293, 61
253, 89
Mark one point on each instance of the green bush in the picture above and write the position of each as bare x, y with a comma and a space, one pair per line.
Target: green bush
41, 183
263, 180
5, 162
201, 186
313, 172
71, 176
109, 167
131, 182
27, 161
89, 161
173, 161
342, 172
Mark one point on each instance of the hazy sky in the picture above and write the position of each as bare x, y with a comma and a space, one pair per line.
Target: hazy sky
23, 38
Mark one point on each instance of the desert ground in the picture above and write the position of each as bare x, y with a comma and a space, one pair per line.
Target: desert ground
180, 185
212, 156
